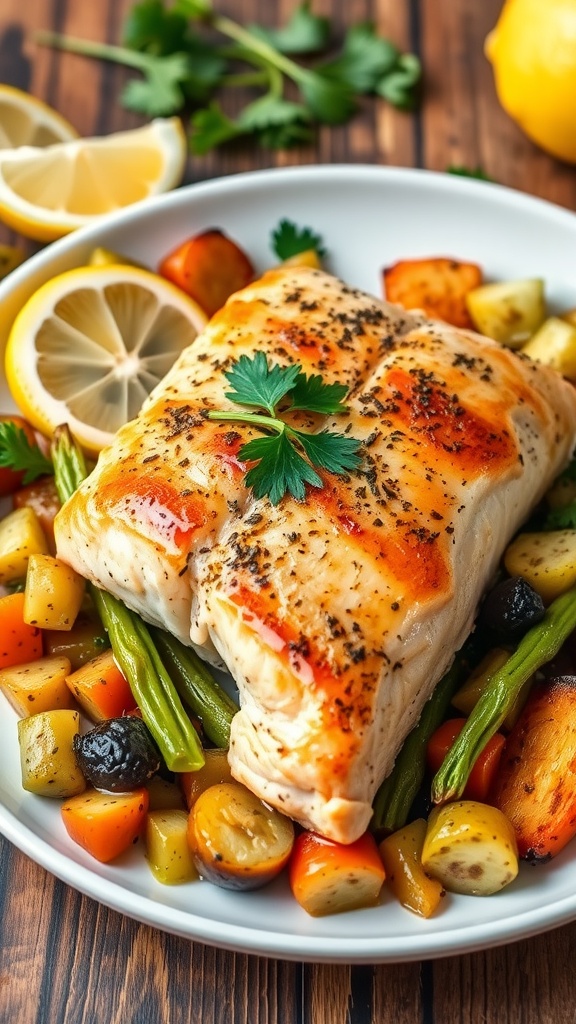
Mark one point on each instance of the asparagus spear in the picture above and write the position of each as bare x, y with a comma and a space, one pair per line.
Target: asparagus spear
537, 647
132, 643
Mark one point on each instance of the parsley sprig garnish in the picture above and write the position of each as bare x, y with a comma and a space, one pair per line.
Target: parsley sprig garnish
290, 240
285, 457
184, 66
18, 453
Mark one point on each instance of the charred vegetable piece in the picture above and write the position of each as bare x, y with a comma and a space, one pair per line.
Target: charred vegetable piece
511, 608
328, 878
536, 784
209, 268
105, 824
437, 285
402, 856
470, 848
47, 758
118, 755
237, 841
167, 850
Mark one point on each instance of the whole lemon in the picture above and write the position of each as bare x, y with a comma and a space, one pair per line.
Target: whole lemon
532, 50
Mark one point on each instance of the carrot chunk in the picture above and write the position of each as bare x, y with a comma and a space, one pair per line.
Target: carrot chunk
436, 285
328, 877
19, 642
105, 824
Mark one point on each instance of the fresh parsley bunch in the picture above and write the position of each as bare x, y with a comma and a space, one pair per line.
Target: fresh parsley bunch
285, 458
183, 67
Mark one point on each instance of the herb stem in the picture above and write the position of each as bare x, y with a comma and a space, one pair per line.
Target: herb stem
256, 419
228, 27
86, 48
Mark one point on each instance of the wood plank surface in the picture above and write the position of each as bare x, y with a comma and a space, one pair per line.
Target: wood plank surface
63, 958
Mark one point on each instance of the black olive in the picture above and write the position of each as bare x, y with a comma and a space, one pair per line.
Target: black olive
511, 609
117, 755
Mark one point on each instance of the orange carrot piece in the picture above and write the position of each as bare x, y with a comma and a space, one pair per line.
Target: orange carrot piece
485, 769
19, 642
209, 268
536, 785
105, 824
328, 877
101, 689
436, 285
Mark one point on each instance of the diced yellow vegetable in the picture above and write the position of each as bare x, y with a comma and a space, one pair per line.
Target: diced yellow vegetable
54, 593
20, 536
214, 771
555, 345
167, 849
308, 258
466, 698
546, 560
508, 311
37, 685
470, 848
401, 854
47, 759
164, 795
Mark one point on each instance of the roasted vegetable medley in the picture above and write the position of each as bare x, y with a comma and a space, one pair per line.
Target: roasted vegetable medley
129, 729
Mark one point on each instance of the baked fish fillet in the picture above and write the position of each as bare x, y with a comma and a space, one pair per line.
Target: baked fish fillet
338, 615
162, 493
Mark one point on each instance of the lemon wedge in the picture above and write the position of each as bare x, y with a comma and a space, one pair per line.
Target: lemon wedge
47, 192
90, 345
27, 121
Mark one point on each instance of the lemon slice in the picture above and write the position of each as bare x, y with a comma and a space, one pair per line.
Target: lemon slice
26, 121
46, 193
90, 345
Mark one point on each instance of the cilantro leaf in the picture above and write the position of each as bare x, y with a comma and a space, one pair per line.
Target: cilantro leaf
285, 136
151, 28
314, 395
469, 172
289, 240
18, 453
211, 127
400, 86
280, 470
259, 385
161, 91
271, 111
331, 101
303, 33
365, 59
328, 450
194, 9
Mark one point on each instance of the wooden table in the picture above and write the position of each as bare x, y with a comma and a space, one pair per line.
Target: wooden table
63, 958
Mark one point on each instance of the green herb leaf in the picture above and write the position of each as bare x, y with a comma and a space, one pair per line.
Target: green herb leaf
18, 453
290, 240
303, 33
330, 101
194, 9
152, 28
365, 59
469, 172
210, 128
561, 518
312, 394
400, 87
271, 111
328, 450
280, 468
258, 384
161, 92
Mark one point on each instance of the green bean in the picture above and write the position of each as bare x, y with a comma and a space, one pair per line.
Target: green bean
397, 793
537, 647
197, 687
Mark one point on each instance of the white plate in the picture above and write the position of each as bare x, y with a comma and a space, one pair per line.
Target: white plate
369, 217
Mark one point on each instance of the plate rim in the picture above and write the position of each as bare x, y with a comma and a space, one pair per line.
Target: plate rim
253, 939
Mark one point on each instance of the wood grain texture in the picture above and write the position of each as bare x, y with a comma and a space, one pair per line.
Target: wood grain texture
63, 958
